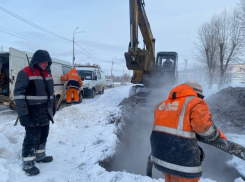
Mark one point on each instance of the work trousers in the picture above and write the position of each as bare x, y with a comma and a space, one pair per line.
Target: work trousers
35, 142
69, 93
170, 178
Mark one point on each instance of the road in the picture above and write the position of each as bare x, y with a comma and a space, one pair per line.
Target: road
3, 108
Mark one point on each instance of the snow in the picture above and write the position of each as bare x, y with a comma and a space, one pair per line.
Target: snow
236, 162
82, 136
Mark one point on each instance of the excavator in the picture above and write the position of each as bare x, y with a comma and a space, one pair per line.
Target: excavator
159, 72
147, 70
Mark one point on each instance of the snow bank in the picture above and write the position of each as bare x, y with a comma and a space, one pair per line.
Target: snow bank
237, 163
82, 136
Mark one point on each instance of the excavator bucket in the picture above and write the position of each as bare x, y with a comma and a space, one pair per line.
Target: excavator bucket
139, 62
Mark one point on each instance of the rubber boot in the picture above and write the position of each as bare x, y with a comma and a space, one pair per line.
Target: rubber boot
41, 155
30, 168
46, 159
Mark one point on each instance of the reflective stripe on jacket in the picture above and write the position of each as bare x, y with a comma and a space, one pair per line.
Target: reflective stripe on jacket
75, 80
30, 94
173, 140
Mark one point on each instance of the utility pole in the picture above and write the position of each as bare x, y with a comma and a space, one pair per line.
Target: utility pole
123, 73
73, 58
186, 60
112, 66
195, 69
186, 74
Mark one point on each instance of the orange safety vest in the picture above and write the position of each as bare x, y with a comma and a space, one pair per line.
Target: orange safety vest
173, 140
75, 80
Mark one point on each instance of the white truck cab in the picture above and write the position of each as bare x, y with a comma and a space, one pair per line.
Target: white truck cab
93, 80
15, 60
109, 83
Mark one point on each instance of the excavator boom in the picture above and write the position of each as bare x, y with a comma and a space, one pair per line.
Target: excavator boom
148, 70
140, 60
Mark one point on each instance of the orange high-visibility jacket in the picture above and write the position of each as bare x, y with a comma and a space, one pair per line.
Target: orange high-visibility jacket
173, 140
75, 80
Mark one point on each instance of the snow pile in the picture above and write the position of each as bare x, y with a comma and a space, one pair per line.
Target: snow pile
239, 164
228, 105
82, 136
133, 90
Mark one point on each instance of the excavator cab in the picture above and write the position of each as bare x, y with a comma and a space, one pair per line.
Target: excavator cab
166, 68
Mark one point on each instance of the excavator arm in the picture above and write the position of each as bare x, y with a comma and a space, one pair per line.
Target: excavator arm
142, 61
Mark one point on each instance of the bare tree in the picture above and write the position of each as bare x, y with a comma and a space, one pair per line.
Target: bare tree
87, 64
230, 40
127, 77
207, 47
96, 65
237, 73
241, 19
241, 13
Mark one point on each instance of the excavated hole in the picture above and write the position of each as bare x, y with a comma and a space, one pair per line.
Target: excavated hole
134, 146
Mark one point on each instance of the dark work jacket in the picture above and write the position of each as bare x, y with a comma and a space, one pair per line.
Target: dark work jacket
34, 97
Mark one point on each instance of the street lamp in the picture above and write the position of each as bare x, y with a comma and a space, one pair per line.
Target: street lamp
73, 59
112, 65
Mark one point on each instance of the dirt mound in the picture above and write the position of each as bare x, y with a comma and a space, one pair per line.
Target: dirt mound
228, 106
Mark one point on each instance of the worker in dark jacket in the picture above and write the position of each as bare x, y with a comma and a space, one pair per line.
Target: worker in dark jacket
168, 65
35, 104
178, 121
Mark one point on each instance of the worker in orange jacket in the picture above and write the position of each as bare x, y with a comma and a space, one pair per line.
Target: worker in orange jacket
178, 121
75, 82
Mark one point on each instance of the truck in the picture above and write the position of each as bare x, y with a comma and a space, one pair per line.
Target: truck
93, 78
147, 70
12, 61
109, 83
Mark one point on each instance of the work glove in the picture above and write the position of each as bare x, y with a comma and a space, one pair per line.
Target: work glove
25, 120
222, 135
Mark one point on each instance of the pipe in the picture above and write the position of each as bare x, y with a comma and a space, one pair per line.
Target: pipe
224, 145
149, 166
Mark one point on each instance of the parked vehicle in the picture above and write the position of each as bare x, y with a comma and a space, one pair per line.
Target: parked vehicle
109, 83
123, 83
93, 80
15, 60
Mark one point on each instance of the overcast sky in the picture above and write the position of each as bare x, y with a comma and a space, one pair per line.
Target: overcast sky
106, 27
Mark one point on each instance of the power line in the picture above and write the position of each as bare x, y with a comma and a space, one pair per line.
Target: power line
30, 41
33, 24
94, 57
36, 41
119, 64
46, 45
47, 31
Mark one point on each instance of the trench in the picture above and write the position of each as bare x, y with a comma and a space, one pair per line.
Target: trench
134, 148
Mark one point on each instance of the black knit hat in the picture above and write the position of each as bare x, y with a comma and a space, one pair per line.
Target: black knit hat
41, 56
